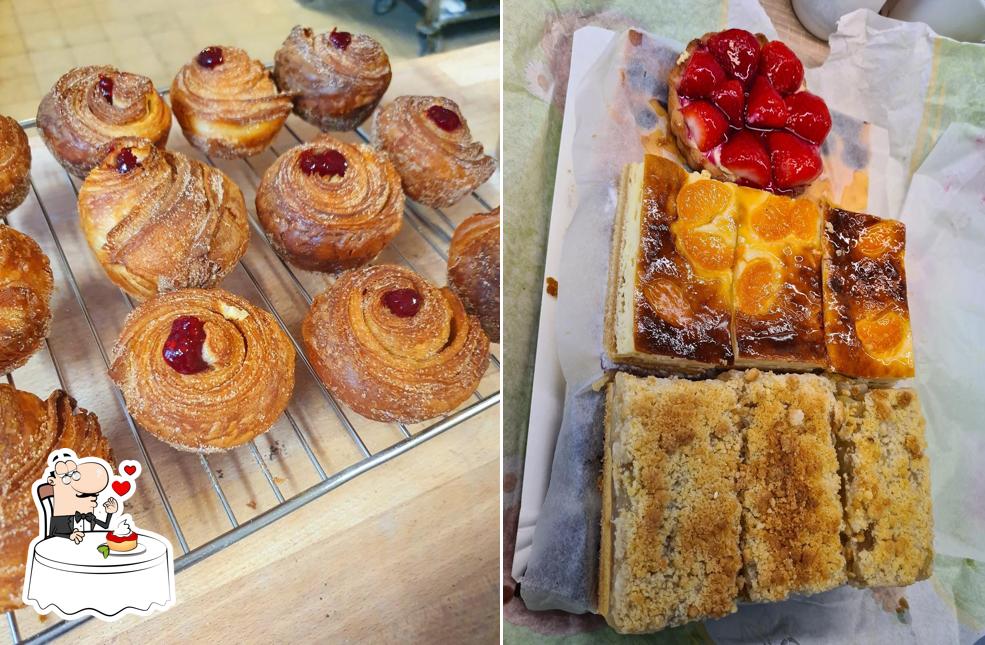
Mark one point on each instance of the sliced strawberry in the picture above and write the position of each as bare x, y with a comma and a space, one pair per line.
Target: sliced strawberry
706, 125
765, 107
701, 74
808, 116
795, 162
730, 99
737, 51
745, 155
781, 66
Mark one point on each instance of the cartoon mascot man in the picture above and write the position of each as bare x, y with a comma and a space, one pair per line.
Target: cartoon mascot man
76, 487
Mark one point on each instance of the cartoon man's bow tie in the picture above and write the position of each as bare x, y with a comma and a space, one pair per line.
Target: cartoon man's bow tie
89, 517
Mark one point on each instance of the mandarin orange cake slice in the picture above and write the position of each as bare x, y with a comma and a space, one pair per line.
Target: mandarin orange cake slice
866, 317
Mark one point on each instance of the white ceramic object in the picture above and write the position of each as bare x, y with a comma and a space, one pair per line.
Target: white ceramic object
957, 19
821, 17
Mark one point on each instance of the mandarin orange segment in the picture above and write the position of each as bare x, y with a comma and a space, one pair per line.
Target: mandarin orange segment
707, 250
756, 287
805, 220
668, 301
700, 201
779, 217
880, 239
882, 334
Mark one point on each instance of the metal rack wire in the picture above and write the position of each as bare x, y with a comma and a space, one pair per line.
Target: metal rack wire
435, 231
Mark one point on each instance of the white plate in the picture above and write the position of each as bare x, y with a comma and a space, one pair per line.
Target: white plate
140, 548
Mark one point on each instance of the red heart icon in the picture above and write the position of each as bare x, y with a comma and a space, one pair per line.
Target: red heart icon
121, 487
129, 469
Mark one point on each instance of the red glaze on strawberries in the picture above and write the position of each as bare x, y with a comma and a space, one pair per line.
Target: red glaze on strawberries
737, 51
781, 66
765, 107
808, 117
730, 98
701, 74
705, 124
795, 162
746, 156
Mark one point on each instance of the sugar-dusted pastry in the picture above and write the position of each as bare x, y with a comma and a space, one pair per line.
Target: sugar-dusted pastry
227, 104
337, 78
394, 347
429, 141
25, 294
159, 221
15, 165
30, 429
670, 286
473, 268
866, 317
203, 369
329, 205
777, 283
670, 506
739, 109
889, 532
90, 106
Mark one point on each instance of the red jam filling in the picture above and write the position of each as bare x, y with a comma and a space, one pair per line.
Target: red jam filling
327, 163
340, 39
183, 348
444, 118
106, 88
210, 57
126, 161
114, 538
404, 303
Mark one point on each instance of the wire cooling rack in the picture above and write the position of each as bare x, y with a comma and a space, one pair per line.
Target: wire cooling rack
328, 447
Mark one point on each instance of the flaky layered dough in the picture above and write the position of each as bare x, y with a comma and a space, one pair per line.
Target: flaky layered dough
245, 388
334, 89
25, 294
231, 110
29, 430
331, 223
15, 165
77, 123
170, 222
390, 368
438, 168
473, 268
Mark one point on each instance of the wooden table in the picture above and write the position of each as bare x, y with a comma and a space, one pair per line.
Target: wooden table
812, 50
407, 551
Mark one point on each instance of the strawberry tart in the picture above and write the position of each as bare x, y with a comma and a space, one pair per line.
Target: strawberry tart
739, 109
122, 538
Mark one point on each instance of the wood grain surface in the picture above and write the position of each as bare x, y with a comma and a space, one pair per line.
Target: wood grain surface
407, 551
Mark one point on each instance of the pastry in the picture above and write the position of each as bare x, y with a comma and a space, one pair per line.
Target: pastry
392, 346
337, 78
122, 538
739, 108
329, 205
159, 221
25, 295
777, 283
670, 286
473, 268
889, 526
429, 141
203, 369
226, 103
29, 430
670, 507
866, 318
90, 106
15, 165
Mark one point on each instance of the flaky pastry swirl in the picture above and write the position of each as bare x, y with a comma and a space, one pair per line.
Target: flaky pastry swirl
79, 117
230, 110
29, 430
388, 367
330, 223
15, 165
473, 268
167, 223
438, 167
25, 293
335, 87
246, 386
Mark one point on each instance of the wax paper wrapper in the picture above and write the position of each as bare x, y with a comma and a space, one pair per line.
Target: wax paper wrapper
619, 116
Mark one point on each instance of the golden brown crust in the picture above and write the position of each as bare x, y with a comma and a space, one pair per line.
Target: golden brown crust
334, 89
169, 223
473, 268
866, 317
77, 123
392, 368
25, 294
438, 168
15, 165
245, 388
331, 223
231, 110
29, 430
